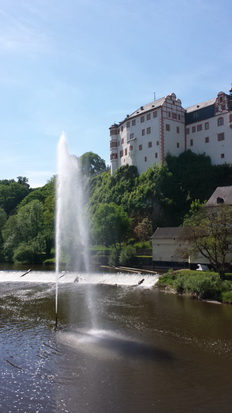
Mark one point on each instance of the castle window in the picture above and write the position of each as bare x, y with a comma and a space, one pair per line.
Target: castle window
133, 122
157, 143
191, 142
156, 155
207, 139
155, 114
114, 156
145, 159
222, 155
148, 116
149, 144
193, 129
187, 131
178, 117
148, 131
220, 121
178, 145
126, 152
199, 128
177, 129
131, 136
140, 147
128, 124
206, 125
143, 132
167, 127
220, 137
142, 119
169, 114
113, 144
121, 153
174, 116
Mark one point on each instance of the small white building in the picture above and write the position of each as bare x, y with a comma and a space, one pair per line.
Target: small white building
147, 135
168, 249
167, 245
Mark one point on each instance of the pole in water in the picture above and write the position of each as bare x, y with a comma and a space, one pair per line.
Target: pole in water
56, 321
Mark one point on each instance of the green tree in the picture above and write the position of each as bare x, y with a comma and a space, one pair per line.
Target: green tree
25, 228
110, 224
209, 233
92, 163
30, 220
11, 194
11, 237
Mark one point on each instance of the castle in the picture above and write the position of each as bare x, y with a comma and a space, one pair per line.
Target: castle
151, 132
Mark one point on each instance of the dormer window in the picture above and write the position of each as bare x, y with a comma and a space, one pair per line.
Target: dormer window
220, 200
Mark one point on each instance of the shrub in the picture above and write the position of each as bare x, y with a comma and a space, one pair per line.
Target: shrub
24, 254
226, 296
126, 254
113, 257
204, 286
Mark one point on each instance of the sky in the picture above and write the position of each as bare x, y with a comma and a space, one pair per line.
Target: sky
78, 66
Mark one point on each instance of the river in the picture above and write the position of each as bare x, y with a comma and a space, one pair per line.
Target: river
118, 347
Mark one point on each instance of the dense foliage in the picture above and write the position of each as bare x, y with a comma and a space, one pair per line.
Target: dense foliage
27, 235
202, 285
124, 208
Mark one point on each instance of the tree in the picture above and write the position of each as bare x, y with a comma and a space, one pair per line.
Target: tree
92, 163
144, 229
11, 193
25, 229
23, 181
110, 224
209, 233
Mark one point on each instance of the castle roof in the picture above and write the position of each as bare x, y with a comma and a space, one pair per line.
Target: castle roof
202, 105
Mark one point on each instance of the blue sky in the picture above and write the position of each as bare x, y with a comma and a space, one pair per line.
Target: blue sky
78, 66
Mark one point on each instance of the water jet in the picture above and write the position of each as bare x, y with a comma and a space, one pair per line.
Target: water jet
71, 215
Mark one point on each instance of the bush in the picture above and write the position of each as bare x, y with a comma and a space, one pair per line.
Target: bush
24, 254
113, 257
203, 286
126, 254
226, 297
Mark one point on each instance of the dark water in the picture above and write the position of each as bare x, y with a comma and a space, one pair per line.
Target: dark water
117, 349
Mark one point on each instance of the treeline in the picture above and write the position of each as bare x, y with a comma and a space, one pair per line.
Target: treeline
26, 221
124, 208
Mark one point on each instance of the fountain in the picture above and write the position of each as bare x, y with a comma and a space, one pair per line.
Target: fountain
71, 215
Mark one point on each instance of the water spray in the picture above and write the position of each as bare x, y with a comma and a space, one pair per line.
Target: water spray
71, 214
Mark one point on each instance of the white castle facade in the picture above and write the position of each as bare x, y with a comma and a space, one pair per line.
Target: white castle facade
147, 135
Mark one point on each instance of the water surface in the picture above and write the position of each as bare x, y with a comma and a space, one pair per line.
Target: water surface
119, 347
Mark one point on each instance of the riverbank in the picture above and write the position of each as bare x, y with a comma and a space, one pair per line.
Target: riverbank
202, 285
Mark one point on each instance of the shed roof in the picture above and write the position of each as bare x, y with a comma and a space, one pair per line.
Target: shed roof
221, 196
167, 232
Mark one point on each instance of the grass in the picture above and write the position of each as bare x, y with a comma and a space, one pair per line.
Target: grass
198, 284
